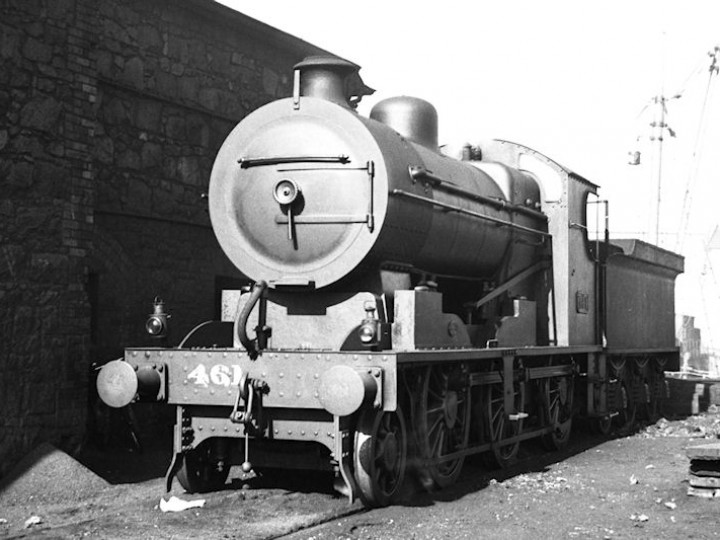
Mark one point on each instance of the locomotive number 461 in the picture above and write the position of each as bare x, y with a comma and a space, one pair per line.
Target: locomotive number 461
219, 374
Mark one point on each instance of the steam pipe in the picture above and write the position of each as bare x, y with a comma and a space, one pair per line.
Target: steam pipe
256, 344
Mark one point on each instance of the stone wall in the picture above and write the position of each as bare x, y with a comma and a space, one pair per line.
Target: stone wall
111, 112
47, 100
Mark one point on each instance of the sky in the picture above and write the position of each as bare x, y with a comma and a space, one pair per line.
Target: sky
574, 80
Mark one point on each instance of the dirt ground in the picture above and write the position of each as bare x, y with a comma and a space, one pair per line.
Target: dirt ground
625, 487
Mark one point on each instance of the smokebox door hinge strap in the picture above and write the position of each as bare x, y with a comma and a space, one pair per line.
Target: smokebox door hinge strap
247, 163
296, 89
371, 210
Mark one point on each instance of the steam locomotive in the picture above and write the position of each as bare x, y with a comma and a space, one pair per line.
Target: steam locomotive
409, 308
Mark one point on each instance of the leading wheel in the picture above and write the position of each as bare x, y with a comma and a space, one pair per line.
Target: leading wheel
380, 456
443, 422
558, 401
202, 470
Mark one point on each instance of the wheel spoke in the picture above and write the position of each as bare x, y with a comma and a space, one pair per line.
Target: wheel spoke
500, 426
558, 392
438, 445
442, 419
497, 427
436, 423
437, 393
437, 409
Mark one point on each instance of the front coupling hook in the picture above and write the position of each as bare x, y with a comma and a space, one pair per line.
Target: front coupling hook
247, 388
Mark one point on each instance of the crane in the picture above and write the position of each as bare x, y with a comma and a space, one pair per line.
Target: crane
697, 149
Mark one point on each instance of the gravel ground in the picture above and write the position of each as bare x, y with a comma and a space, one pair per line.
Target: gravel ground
627, 487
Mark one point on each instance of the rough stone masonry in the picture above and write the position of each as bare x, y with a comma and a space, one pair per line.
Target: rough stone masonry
111, 112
